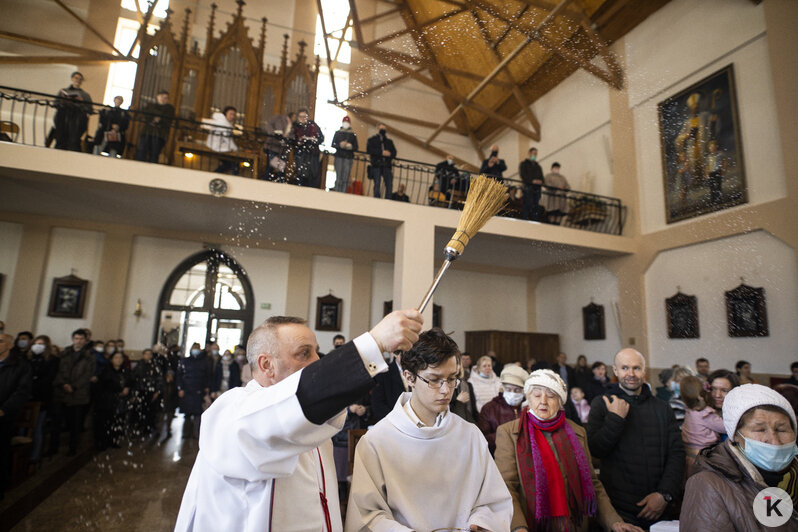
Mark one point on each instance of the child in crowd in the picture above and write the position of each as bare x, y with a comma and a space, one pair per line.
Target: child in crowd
580, 403
702, 426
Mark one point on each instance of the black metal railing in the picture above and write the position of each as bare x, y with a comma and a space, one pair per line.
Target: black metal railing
34, 118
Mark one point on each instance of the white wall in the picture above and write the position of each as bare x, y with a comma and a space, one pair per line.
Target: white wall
71, 251
474, 301
707, 271
714, 33
381, 289
560, 299
471, 301
151, 262
153, 259
331, 273
575, 131
10, 238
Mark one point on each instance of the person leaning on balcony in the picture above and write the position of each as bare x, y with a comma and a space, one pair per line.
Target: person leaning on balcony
448, 175
220, 138
110, 136
72, 115
157, 121
556, 200
278, 128
400, 195
532, 175
308, 137
382, 152
493, 166
345, 144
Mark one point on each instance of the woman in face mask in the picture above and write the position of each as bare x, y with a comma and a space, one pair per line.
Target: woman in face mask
43, 370
485, 383
759, 453
22, 344
504, 407
546, 464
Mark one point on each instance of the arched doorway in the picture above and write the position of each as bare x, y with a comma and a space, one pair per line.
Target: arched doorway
207, 297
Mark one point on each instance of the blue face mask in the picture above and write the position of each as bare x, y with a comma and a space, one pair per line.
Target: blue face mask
675, 388
768, 456
483, 375
195, 352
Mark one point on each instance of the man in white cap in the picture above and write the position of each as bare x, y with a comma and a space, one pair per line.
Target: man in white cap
266, 460
504, 407
759, 453
639, 442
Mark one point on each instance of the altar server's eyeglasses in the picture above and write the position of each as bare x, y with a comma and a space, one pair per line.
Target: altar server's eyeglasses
437, 384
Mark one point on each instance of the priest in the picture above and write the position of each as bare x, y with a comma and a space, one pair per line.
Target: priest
421, 467
265, 459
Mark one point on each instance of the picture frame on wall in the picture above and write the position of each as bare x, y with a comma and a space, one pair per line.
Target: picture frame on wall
593, 322
702, 152
328, 313
67, 297
437, 312
746, 312
682, 315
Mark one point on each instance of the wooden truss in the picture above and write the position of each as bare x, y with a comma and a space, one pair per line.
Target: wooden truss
425, 68
77, 54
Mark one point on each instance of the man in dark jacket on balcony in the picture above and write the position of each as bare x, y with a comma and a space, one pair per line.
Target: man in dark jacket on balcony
157, 118
345, 144
639, 443
15, 387
493, 166
308, 136
382, 152
532, 175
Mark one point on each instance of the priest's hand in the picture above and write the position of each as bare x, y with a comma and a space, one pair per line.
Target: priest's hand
398, 330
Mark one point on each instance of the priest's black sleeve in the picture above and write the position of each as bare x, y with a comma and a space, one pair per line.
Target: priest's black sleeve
334, 382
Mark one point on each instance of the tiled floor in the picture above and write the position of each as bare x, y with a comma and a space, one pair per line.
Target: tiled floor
137, 487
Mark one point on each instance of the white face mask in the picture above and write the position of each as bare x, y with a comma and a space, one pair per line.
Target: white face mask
513, 398
345, 125
38, 349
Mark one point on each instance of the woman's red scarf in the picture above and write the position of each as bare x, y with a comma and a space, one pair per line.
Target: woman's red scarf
548, 506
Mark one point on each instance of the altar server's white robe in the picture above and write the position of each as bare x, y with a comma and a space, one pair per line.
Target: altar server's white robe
411, 478
256, 441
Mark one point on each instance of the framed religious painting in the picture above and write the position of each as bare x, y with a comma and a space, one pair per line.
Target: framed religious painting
702, 151
328, 313
68, 297
593, 322
682, 312
746, 311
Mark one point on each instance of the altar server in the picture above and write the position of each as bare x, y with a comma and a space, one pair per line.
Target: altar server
423, 468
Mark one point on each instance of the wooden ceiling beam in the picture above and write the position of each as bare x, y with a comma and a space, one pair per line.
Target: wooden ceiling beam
608, 78
504, 62
56, 59
507, 30
88, 27
415, 27
375, 18
59, 46
327, 49
392, 116
384, 84
448, 92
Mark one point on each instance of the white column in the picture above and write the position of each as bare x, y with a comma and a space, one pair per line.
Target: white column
414, 265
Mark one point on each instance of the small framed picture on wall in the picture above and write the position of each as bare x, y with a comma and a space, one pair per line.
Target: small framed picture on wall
68, 297
593, 321
746, 311
682, 313
328, 313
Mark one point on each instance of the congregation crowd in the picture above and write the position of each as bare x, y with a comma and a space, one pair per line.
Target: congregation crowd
540, 196
699, 447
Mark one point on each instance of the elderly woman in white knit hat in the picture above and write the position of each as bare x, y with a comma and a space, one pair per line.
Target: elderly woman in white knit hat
759, 453
546, 464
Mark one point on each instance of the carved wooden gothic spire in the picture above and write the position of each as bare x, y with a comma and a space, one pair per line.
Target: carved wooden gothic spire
262, 44
240, 8
184, 32
284, 58
210, 28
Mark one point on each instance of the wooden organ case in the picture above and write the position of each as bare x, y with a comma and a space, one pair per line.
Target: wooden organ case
230, 71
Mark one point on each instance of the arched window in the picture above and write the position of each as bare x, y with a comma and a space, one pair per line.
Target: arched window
207, 297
